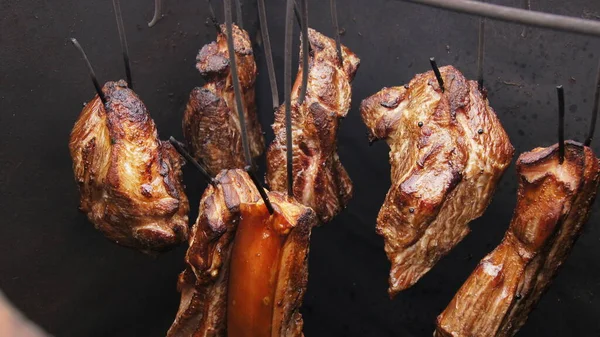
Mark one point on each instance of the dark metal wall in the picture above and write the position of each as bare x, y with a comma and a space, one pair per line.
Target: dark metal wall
68, 278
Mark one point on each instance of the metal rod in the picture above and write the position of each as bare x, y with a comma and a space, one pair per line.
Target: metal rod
305, 45
157, 13
437, 73
213, 16
264, 29
481, 53
287, 89
261, 190
590, 136
516, 15
177, 145
236, 82
336, 27
561, 123
238, 13
91, 70
238, 100
123, 38
297, 14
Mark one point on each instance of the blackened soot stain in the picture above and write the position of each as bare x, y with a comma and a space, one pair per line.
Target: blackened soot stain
573, 108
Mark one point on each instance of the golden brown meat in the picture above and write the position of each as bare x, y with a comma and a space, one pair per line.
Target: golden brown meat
320, 180
129, 180
553, 203
448, 151
211, 123
246, 270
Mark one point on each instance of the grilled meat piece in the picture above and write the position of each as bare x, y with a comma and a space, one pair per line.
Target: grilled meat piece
553, 203
129, 180
229, 287
211, 123
320, 180
448, 151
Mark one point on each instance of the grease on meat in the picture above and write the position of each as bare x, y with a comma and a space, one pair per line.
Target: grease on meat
208, 291
553, 203
211, 124
447, 152
320, 180
130, 181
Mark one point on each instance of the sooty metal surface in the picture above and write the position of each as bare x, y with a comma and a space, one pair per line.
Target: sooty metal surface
64, 275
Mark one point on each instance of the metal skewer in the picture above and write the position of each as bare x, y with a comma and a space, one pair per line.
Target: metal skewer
437, 73
297, 14
336, 27
561, 123
287, 89
516, 15
213, 17
123, 38
264, 29
238, 13
305, 51
157, 13
177, 145
240, 107
91, 70
261, 190
590, 136
481, 53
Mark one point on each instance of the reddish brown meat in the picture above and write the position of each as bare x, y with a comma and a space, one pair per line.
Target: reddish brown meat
448, 151
130, 181
553, 203
211, 123
320, 180
244, 263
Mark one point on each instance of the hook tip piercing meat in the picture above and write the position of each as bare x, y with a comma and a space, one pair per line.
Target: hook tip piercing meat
320, 180
130, 181
553, 202
447, 151
246, 269
211, 123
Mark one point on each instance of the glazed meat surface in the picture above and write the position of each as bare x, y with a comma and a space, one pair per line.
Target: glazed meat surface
234, 223
129, 180
211, 123
447, 151
320, 180
553, 203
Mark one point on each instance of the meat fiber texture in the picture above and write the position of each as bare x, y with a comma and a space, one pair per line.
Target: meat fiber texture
553, 203
204, 285
211, 124
319, 179
130, 181
448, 151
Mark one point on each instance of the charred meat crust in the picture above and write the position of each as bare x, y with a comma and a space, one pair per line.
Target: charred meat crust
130, 182
320, 181
447, 151
553, 203
211, 123
204, 282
